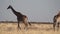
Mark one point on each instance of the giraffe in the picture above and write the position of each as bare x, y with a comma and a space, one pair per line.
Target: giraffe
20, 17
56, 21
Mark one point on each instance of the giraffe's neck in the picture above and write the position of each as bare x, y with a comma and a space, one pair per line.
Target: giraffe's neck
13, 10
16, 13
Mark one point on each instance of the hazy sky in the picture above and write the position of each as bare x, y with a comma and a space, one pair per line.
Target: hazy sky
36, 10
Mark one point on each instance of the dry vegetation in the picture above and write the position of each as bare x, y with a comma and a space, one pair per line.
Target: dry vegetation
11, 28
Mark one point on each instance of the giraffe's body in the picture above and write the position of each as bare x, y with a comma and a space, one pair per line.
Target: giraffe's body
20, 17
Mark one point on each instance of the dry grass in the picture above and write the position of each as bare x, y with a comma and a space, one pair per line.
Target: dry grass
11, 28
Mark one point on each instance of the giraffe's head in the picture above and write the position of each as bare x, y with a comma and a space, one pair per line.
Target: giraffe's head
9, 7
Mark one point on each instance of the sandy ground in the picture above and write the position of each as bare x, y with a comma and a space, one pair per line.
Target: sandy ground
11, 28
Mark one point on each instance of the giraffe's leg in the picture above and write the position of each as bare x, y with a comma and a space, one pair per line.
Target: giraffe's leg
54, 24
25, 21
57, 26
26, 26
19, 26
18, 23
